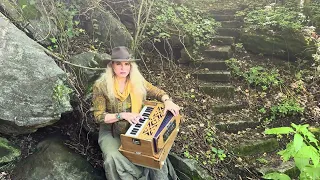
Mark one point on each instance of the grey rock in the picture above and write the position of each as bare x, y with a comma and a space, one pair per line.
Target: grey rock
92, 60
108, 29
188, 168
53, 160
34, 18
286, 46
32, 92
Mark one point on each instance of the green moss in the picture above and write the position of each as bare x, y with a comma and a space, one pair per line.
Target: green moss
256, 147
29, 11
61, 96
294, 45
8, 152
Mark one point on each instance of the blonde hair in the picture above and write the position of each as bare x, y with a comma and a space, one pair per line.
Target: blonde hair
105, 83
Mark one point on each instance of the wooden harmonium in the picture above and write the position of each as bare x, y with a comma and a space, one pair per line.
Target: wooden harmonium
148, 142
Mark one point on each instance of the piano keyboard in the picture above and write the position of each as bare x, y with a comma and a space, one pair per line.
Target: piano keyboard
135, 129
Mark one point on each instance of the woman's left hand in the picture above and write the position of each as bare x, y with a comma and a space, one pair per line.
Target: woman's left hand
172, 107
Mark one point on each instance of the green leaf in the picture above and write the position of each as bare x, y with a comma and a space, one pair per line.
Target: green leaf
277, 176
297, 142
280, 130
53, 40
310, 172
23, 6
288, 152
214, 150
309, 152
301, 162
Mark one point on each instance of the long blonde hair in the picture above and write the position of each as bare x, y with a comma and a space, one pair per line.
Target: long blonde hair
105, 83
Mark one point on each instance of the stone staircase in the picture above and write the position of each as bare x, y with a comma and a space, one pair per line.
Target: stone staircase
231, 116
212, 71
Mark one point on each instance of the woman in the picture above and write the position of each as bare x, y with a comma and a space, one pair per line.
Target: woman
117, 99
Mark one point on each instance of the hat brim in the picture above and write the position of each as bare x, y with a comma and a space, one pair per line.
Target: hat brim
119, 60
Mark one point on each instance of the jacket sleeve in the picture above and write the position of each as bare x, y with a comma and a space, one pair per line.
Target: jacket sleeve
154, 91
99, 105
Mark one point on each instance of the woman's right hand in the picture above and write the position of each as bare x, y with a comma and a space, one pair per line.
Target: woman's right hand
132, 118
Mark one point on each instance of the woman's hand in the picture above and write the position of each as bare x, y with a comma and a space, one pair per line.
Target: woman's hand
172, 107
132, 118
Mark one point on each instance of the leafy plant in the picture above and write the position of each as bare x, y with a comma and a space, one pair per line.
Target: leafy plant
61, 93
170, 19
286, 107
259, 76
313, 12
67, 25
277, 19
303, 149
219, 153
316, 58
213, 154
239, 47
234, 66
187, 154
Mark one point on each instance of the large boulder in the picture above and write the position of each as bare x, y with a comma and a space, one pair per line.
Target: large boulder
97, 64
34, 17
188, 169
106, 28
32, 92
285, 45
53, 160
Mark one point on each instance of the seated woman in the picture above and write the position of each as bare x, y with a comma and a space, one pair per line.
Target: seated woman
118, 97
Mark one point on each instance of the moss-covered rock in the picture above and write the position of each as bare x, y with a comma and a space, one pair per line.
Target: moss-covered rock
8, 152
284, 45
29, 11
289, 168
54, 160
33, 17
252, 147
188, 169
28, 81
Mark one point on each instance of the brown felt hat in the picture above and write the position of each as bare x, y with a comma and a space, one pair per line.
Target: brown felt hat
121, 53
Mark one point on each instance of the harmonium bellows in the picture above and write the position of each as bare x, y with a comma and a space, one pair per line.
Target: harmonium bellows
148, 142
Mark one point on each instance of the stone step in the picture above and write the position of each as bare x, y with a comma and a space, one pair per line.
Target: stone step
211, 64
219, 52
188, 169
224, 11
273, 163
250, 143
235, 126
222, 40
233, 122
255, 145
221, 90
223, 107
234, 32
231, 24
213, 76
223, 17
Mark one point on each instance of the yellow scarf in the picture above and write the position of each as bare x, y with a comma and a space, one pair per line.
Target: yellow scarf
136, 99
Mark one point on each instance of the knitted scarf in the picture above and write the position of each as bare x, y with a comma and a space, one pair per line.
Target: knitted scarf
136, 99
